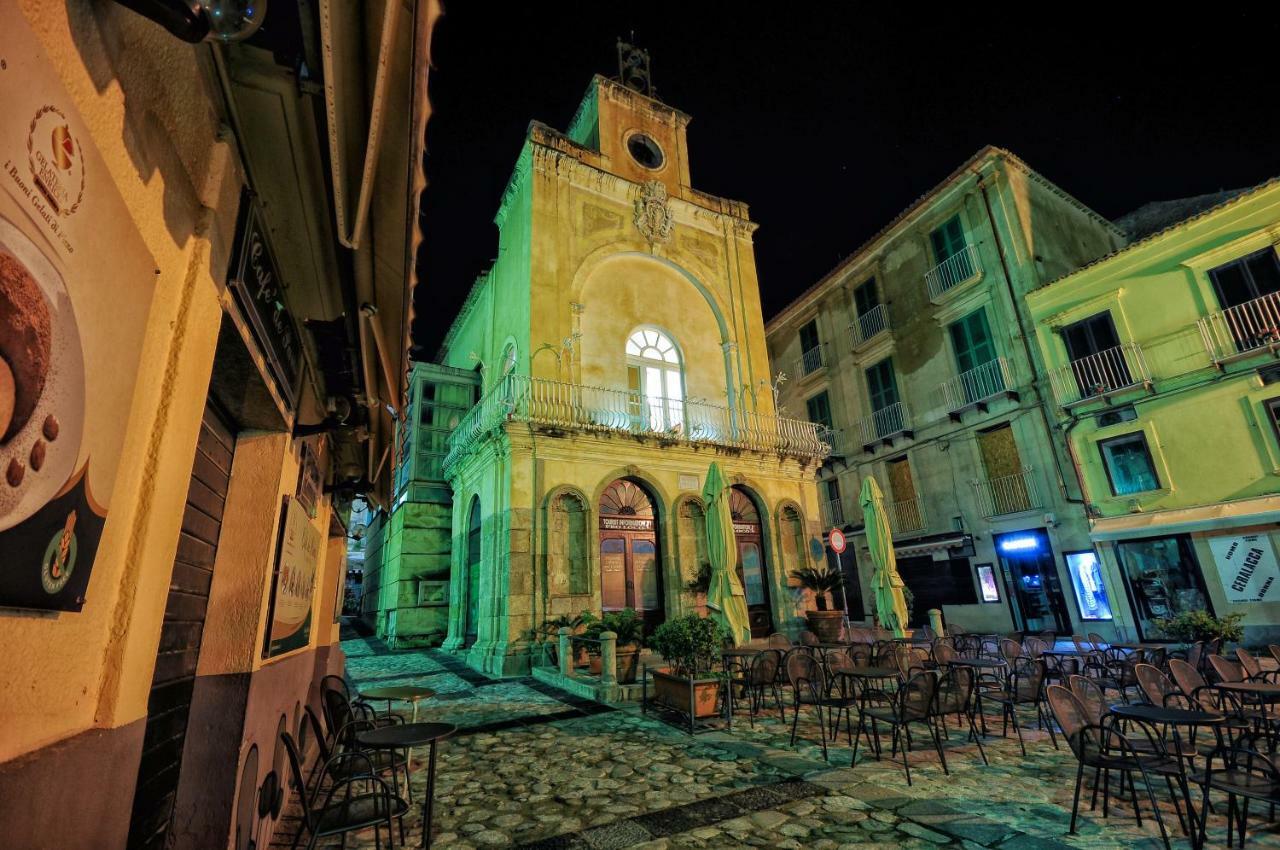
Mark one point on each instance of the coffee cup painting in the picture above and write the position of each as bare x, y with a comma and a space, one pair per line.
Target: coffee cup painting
41, 380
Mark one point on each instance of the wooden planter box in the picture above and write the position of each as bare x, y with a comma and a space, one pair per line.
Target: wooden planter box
673, 692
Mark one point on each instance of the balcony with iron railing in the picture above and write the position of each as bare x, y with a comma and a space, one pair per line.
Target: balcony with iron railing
810, 361
1243, 329
905, 516
870, 325
886, 425
960, 267
976, 387
574, 407
834, 437
1007, 494
834, 512
1100, 375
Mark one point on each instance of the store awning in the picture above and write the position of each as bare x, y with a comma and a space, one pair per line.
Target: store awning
929, 547
1186, 520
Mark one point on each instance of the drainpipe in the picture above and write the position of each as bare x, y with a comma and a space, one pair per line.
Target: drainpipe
1026, 348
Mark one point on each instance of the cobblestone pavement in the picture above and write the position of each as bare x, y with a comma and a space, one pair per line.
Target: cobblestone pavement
533, 767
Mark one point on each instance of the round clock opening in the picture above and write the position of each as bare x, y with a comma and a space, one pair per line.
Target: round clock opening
645, 151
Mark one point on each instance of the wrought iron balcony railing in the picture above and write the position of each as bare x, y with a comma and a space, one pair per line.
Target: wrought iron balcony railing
954, 270
886, 424
1007, 494
870, 324
834, 437
1109, 371
977, 386
1243, 329
905, 515
556, 404
834, 512
810, 361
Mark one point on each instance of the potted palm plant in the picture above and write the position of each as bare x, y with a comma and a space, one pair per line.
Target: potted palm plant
629, 627
691, 646
824, 623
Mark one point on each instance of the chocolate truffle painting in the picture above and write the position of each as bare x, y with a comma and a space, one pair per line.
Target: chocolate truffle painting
76, 285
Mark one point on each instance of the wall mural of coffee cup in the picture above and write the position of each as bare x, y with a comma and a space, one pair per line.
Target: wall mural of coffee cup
76, 286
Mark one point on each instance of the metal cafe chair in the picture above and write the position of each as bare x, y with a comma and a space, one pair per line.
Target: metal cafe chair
1244, 772
1025, 685
808, 682
913, 702
1253, 668
366, 800
957, 695
1104, 749
762, 675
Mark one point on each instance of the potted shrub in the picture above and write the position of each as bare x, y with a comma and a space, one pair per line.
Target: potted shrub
1191, 626
823, 622
691, 646
629, 627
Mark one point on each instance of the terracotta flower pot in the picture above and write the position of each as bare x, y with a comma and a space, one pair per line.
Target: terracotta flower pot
628, 663
674, 692
826, 625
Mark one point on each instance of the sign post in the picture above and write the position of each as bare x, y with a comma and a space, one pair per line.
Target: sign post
835, 539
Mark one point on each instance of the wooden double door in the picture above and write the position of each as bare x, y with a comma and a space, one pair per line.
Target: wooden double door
751, 561
629, 575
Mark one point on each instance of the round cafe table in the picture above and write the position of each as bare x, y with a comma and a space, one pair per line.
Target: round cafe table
406, 736
404, 693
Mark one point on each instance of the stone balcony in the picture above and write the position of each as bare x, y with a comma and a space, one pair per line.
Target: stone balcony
566, 407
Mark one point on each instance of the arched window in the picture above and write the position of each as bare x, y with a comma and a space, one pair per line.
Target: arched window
655, 379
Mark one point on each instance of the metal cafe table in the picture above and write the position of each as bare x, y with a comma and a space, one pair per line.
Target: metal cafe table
407, 693
406, 736
1174, 718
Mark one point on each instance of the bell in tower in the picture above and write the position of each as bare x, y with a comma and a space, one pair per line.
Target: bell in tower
633, 68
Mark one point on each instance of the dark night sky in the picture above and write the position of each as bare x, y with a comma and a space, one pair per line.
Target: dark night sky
829, 124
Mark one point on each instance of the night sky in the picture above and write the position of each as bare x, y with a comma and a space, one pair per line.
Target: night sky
830, 124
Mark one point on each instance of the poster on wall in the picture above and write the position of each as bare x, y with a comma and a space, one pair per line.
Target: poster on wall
987, 581
76, 285
1247, 567
289, 612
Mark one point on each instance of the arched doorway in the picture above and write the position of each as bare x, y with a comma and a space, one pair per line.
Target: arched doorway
629, 573
473, 572
751, 562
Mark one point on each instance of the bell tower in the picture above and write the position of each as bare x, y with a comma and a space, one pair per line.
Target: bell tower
638, 136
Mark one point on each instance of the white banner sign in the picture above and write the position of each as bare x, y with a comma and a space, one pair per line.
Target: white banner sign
1247, 567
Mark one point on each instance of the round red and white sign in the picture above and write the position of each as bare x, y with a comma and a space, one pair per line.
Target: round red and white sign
837, 541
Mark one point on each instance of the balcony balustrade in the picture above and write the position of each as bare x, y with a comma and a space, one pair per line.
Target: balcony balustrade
1099, 375
977, 386
834, 437
810, 361
1007, 494
870, 325
1243, 329
905, 516
885, 425
560, 405
953, 271
834, 513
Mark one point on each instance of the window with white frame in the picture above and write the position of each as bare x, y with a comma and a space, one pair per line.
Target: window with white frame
655, 377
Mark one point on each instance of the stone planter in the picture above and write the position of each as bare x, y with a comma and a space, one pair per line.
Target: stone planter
628, 663
826, 625
675, 693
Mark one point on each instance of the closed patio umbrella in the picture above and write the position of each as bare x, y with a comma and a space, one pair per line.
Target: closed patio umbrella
725, 597
886, 584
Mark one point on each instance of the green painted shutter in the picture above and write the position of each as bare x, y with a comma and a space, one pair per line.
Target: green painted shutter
881, 385
819, 408
864, 297
971, 340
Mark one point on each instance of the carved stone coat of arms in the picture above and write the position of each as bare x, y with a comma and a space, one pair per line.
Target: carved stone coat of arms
653, 215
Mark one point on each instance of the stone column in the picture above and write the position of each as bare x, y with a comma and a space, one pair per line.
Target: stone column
608, 659
566, 650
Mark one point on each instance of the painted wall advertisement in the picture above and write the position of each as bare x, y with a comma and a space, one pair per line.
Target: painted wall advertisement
1247, 567
293, 586
76, 285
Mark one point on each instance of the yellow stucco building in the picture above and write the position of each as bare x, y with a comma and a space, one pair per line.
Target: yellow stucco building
1163, 364
621, 350
191, 217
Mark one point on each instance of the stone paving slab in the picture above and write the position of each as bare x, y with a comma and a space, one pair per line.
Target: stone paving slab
533, 767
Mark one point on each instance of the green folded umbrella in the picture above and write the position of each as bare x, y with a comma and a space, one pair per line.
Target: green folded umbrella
725, 597
886, 584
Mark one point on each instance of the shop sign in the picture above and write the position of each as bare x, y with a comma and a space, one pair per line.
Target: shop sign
616, 524
76, 285
258, 290
1247, 567
293, 586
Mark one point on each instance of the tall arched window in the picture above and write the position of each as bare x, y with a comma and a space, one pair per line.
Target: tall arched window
655, 379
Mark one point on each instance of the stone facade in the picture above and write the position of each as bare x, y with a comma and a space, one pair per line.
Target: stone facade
916, 352
593, 247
